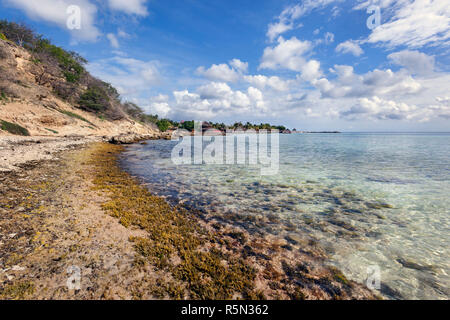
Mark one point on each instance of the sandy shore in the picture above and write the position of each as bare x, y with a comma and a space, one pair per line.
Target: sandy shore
16, 151
67, 206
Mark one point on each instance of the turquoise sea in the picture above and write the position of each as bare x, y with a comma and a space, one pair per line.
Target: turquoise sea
368, 199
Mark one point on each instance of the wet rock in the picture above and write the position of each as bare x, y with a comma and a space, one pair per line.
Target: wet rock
378, 205
391, 293
412, 265
130, 138
293, 239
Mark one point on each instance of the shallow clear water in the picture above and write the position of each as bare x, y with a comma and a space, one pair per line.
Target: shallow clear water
367, 199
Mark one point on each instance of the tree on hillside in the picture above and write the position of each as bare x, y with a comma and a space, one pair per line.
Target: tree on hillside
18, 33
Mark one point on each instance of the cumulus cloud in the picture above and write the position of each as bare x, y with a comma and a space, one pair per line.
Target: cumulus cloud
414, 61
219, 72
414, 24
217, 99
55, 11
224, 72
159, 105
215, 90
136, 7
239, 65
375, 82
274, 82
380, 109
350, 47
288, 54
310, 71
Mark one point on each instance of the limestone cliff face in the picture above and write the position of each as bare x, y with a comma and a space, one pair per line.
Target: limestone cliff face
29, 98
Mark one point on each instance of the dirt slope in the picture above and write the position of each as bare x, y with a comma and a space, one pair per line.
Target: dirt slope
28, 99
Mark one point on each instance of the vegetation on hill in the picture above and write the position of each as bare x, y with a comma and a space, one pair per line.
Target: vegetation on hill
13, 128
64, 71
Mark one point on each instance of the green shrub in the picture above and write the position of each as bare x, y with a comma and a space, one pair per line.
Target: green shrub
149, 118
13, 128
188, 125
3, 37
94, 99
163, 125
69, 62
52, 131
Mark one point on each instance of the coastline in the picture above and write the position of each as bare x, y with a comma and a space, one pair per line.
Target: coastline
81, 209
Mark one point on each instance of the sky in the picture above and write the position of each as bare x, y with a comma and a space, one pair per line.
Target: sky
347, 65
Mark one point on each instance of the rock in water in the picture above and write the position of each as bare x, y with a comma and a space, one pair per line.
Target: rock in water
130, 138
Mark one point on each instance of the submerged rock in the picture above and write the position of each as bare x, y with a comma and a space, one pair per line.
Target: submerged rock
412, 265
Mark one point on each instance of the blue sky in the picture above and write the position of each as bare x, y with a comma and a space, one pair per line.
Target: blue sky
312, 64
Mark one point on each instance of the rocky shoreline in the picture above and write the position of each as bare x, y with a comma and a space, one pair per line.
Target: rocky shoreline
78, 208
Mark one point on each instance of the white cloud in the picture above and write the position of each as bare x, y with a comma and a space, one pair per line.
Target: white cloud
376, 82
273, 82
217, 99
444, 100
122, 34
136, 7
239, 65
275, 29
257, 97
327, 39
414, 61
381, 3
288, 54
55, 11
128, 75
224, 72
415, 23
311, 70
220, 94
113, 40
219, 72
380, 109
286, 20
214, 90
159, 105
350, 47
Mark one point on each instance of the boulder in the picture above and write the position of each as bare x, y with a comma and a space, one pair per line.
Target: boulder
130, 138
